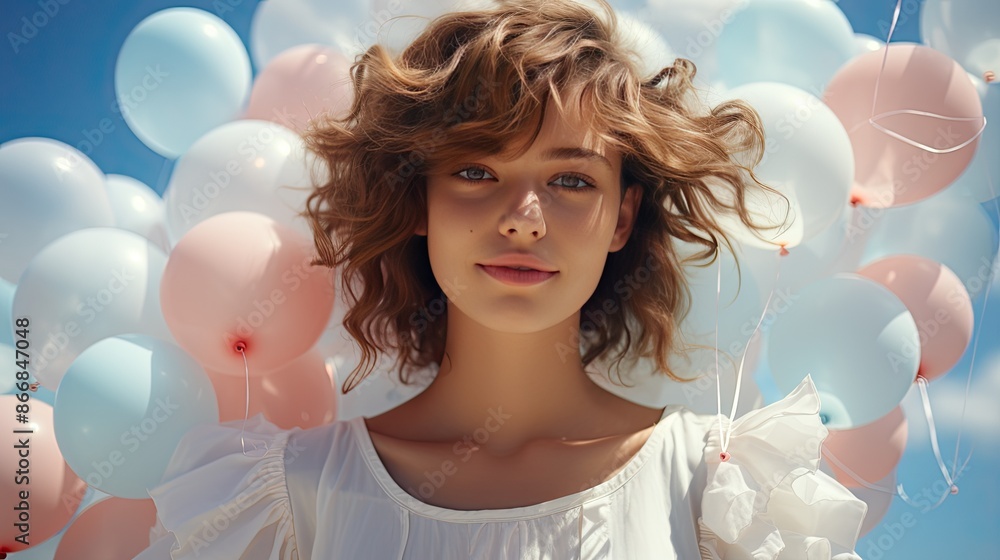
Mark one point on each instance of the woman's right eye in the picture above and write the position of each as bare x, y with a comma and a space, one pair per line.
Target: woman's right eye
474, 174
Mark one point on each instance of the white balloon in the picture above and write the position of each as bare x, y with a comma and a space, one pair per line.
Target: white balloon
138, 209
808, 158
86, 286
246, 165
347, 25
946, 228
47, 189
651, 49
808, 261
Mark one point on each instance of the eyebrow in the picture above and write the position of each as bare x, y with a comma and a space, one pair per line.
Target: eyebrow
576, 153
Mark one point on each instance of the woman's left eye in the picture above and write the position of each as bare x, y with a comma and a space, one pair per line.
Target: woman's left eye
575, 182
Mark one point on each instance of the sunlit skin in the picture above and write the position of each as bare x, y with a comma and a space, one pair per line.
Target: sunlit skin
503, 341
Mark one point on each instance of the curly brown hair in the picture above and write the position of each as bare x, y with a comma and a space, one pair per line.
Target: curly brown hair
474, 81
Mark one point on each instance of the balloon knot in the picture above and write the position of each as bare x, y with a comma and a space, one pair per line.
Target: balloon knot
724, 456
783, 251
989, 76
954, 489
824, 418
240, 346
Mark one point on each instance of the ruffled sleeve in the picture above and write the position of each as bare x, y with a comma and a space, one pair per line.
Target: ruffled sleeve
768, 500
216, 502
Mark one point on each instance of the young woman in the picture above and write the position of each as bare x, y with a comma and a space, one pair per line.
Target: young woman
512, 165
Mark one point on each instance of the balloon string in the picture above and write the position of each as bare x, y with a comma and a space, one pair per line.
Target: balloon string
739, 371
246, 410
950, 478
833, 459
872, 120
979, 330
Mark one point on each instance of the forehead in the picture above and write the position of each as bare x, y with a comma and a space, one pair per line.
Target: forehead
568, 127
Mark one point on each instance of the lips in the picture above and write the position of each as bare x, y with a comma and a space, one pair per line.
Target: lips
513, 276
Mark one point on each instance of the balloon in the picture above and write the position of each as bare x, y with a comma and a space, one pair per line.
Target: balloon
889, 171
299, 394
380, 391
411, 18
966, 31
858, 342
299, 84
807, 158
953, 231
643, 385
939, 303
111, 529
878, 499
6, 302
651, 49
85, 286
122, 408
137, 208
693, 28
870, 452
348, 26
180, 73
49, 189
800, 43
866, 43
246, 165
981, 180
740, 306
53, 490
242, 277
807, 262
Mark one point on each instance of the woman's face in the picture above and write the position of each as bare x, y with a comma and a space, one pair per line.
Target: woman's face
559, 202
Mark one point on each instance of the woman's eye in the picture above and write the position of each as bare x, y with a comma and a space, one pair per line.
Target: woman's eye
474, 174
573, 182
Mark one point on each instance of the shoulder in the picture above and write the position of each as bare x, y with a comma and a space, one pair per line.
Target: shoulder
235, 488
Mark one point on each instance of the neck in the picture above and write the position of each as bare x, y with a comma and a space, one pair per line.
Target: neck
518, 386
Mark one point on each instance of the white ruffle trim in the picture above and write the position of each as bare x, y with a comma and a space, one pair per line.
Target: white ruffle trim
768, 500
218, 502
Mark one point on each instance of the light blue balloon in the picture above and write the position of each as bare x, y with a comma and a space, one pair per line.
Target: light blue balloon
946, 228
980, 181
965, 30
180, 73
123, 407
6, 319
856, 339
798, 42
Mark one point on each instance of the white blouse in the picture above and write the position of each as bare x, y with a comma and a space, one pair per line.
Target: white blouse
323, 493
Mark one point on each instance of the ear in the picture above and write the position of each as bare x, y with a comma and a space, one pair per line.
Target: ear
627, 213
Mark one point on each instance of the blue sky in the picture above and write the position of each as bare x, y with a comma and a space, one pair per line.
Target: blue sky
60, 84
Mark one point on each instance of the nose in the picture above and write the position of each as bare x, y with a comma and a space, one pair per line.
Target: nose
526, 219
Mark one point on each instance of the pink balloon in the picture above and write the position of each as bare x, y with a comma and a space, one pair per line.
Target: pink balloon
241, 277
939, 303
300, 394
878, 499
111, 529
53, 491
870, 452
300, 83
888, 171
